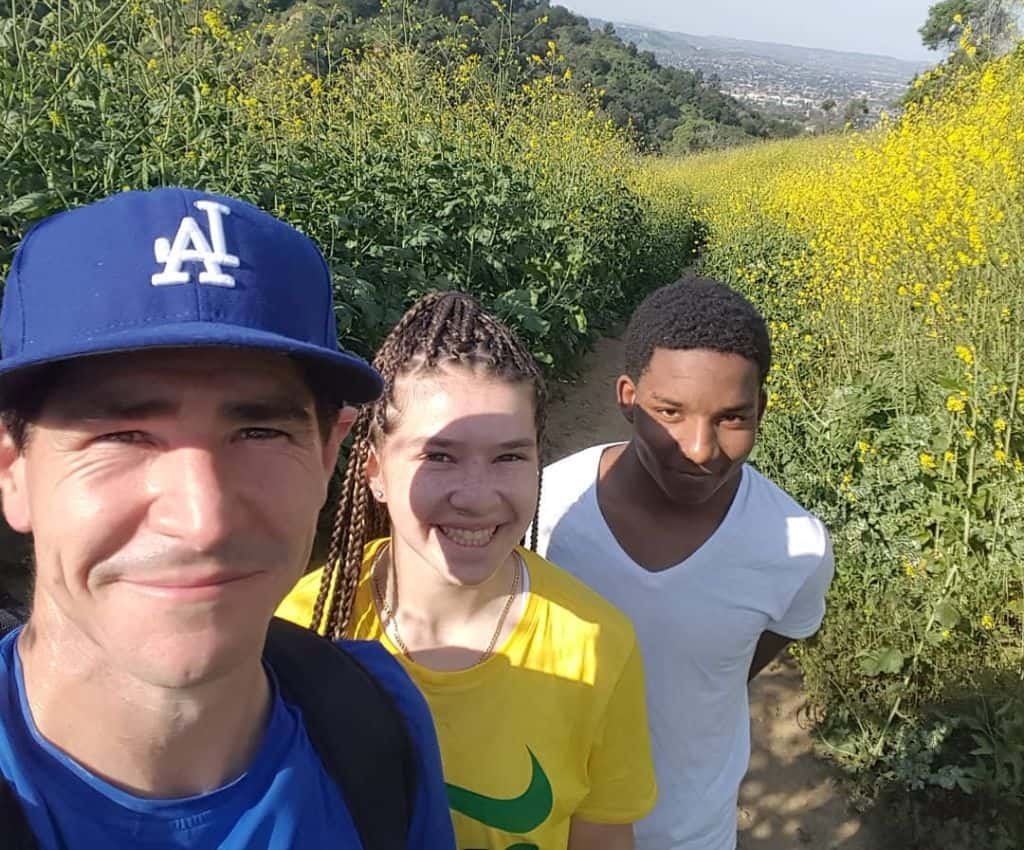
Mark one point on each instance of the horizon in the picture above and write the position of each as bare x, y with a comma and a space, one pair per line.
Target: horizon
813, 24
934, 59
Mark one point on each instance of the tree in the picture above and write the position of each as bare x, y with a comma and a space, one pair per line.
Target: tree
856, 111
945, 24
990, 27
992, 23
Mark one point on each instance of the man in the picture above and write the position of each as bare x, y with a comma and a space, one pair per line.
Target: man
718, 568
172, 400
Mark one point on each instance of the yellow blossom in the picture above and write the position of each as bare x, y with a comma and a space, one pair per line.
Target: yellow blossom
927, 460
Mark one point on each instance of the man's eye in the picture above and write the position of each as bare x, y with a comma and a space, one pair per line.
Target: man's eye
438, 457
122, 437
261, 433
667, 412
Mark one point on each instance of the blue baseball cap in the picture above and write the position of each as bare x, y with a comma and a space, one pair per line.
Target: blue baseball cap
172, 268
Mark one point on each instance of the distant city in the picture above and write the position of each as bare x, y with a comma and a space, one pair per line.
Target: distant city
808, 84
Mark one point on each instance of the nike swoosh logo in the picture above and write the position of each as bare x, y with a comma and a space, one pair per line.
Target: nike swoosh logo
518, 815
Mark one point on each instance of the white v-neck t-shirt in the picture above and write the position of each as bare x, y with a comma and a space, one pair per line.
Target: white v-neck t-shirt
766, 567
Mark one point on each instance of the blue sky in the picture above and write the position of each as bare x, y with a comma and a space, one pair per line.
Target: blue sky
888, 27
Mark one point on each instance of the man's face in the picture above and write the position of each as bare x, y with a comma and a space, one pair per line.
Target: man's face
173, 498
695, 415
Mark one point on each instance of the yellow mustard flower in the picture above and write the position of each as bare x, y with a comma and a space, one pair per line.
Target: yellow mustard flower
965, 353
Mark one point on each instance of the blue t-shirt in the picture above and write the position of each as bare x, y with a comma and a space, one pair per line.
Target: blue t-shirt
285, 801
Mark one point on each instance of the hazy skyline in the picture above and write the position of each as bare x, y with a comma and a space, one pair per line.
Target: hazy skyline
886, 27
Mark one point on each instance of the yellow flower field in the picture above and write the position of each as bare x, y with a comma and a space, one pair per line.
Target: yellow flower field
890, 266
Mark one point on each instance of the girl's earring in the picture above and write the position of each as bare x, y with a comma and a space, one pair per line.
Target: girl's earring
378, 495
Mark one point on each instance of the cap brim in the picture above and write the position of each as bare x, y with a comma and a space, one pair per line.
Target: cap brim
346, 377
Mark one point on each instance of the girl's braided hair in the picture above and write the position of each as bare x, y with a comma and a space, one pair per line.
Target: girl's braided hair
441, 328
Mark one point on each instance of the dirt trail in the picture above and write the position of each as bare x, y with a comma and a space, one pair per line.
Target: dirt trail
789, 798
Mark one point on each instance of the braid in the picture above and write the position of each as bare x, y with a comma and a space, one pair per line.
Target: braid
442, 327
535, 528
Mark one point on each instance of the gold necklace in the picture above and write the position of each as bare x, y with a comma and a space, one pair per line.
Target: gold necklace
390, 614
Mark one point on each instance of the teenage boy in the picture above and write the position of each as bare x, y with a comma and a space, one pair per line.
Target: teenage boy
717, 566
172, 402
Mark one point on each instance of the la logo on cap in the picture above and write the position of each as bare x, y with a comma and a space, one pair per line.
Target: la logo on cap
191, 246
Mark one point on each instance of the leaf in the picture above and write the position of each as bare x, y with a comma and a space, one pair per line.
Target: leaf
890, 660
479, 233
7, 32
425, 234
885, 660
516, 296
869, 665
533, 322
29, 206
946, 615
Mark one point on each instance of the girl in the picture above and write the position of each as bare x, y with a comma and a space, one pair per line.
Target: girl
534, 681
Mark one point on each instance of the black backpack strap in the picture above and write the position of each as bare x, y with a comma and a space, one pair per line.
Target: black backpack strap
13, 824
10, 619
355, 727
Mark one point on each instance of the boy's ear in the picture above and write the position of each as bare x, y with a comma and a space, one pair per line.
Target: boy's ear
762, 405
13, 492
625, 393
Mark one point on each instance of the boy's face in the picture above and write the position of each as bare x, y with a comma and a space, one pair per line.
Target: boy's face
695, 415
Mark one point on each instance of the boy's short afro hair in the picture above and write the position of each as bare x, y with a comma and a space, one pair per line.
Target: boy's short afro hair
692, 313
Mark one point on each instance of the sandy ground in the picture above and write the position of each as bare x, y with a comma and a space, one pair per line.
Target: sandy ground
789, 798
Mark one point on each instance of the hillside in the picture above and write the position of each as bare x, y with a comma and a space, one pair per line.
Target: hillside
670, 109
778, 76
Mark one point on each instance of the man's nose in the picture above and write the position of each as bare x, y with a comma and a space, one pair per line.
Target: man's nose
191, 500
697, 442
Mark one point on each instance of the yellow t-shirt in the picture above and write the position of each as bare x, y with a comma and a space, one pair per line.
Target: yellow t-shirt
552, 725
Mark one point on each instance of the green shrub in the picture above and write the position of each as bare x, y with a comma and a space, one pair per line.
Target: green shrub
412, 172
